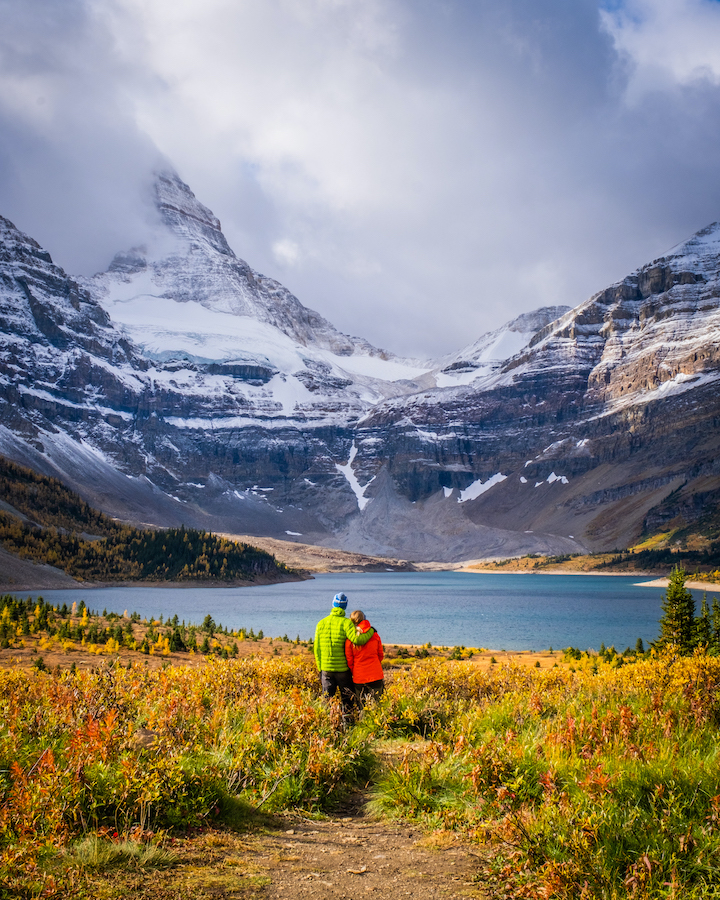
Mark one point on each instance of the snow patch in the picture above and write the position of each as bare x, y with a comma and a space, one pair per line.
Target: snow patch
377, 367
162, 325
479, 487
294, 533
347, 471
289, 393
523, 479
426, 435
448, 491
553, 477
458, 379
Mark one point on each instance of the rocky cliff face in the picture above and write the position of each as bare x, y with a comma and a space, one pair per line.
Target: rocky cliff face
607, 411
183, 387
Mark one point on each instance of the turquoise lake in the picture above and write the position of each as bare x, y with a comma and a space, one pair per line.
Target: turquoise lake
510, 612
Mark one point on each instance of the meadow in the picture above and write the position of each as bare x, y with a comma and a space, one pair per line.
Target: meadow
594, 778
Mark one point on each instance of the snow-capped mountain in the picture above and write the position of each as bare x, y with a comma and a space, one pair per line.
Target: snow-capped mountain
181, 386
605, 424
487, 354
187, 299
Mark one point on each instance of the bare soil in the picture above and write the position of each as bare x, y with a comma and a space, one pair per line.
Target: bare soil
314, 559
23, 575
346, 857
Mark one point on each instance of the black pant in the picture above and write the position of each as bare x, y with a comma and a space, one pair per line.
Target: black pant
332, 682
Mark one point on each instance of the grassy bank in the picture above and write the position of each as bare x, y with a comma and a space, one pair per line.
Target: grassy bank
701, 564
603, 782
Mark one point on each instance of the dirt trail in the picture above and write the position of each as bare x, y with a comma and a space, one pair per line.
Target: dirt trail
354, 856
344, 858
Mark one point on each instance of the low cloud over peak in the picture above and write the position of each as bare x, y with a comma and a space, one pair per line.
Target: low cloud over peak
419, 172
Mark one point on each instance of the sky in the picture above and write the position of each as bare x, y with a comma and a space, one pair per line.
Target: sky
418, 171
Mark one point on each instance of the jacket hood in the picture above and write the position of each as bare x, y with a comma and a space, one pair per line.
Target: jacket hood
364, 626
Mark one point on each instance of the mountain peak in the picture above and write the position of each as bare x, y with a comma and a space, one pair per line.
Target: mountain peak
11, 236
536, 319
490, 349
699, 253
185, 215
155, 293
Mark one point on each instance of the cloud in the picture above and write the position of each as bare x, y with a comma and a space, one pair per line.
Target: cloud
286, 252
419, 171
666, 43
74, 169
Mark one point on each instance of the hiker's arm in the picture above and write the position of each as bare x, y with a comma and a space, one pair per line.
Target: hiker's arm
352, 635
316, 648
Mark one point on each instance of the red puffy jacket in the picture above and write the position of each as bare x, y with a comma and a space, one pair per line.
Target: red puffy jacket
364, 662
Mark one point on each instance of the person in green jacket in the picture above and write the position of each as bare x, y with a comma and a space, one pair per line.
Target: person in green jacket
329, 646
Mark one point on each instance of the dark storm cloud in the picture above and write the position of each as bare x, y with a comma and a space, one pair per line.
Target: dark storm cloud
74, 169
418, 171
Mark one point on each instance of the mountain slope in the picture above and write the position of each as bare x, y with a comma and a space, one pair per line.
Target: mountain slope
487, 354
606, 412
182, 387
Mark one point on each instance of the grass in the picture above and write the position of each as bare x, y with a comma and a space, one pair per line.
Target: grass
603, 785
99, 854
602, 782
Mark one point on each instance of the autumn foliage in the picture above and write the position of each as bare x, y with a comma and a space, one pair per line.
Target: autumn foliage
599, 778
603, 782
138, 752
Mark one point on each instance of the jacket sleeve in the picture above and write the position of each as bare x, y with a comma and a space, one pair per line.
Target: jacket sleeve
352, 635
350, 654
316, 648
381, 651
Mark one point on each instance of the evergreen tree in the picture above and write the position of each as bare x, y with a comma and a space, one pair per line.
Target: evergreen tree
715, 620
703, 625
177, 644
677, 623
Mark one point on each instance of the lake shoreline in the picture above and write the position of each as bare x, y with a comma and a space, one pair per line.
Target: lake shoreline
444, 608
31, 576
308, 560
68, 583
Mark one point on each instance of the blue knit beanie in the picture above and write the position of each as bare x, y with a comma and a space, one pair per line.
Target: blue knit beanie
340, 601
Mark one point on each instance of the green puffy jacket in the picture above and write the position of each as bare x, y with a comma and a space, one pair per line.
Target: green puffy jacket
330, 636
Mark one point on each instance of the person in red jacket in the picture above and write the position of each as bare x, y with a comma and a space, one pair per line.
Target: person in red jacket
365, 661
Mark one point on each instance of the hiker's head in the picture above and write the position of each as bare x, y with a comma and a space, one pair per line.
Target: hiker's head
340, 601
357, 616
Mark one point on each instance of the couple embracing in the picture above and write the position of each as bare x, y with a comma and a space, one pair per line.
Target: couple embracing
348, 653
